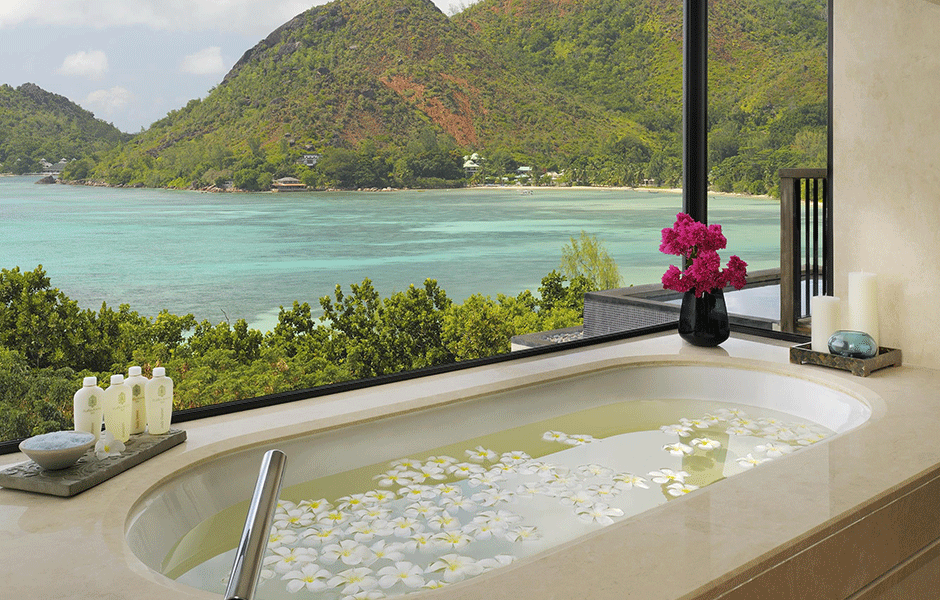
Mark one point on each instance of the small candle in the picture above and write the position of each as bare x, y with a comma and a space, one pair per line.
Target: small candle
827, 319
862, 314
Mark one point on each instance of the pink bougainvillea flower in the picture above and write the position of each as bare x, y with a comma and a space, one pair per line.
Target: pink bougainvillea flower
698, 245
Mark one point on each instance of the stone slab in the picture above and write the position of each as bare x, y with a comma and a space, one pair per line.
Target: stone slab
89, 471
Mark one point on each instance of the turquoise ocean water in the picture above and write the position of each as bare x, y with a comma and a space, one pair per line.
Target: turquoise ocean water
244, 255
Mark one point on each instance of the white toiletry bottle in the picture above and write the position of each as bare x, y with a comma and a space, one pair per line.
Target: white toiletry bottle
159, 396
118, 408
87, 404
139, 411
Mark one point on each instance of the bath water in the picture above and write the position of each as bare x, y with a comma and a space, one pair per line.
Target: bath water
452, 512
237, 256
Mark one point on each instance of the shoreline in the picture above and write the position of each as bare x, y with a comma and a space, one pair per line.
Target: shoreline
216, 190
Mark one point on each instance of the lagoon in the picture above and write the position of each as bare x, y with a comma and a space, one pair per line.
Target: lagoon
241, 256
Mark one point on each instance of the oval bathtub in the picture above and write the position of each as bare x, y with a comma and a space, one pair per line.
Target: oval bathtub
590, 448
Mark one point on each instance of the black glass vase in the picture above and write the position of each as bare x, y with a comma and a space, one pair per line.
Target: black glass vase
704, 321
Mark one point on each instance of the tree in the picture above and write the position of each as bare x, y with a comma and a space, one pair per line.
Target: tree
586, 257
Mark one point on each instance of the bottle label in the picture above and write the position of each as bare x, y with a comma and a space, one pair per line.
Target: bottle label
161, 391
92, 401
137, 390
122, 398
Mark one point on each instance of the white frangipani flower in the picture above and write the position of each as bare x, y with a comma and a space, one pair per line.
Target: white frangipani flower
286, 559
626, 481
498, 519
705, 443
419, 541
595, 471
408, 574
481, 454
440, 461
452, 504
320, 534
364, 531
668, 476
451, 539
352, 502
350, 552
679, 429
531, 490
554, 436
447, 490
678, 449
392, 551
604, 491
750, 461
358, 579
428, 472
522, 533
444, 521
487, 479
373, 513
515, 457
280, 537
107, 446
393, 478
500, 560
316, 506
333, 518
405, 526
423, 508
455, 567
379, 496
309, 576
296, 517
405, 464
678, 489
492, 496
579, 439
417, 492
463, 470
774, 450
738, 430
577, 499
599, 513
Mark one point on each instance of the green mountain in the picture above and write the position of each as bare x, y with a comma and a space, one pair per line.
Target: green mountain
767, 76
36, 125
393, 92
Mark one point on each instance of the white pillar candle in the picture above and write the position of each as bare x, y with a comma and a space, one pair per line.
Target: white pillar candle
862, 314
827, 319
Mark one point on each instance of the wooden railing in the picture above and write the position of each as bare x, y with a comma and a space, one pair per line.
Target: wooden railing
804, 262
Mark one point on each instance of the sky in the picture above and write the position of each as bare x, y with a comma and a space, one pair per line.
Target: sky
130, 62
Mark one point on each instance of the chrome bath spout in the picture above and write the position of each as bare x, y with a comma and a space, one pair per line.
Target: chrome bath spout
254, 541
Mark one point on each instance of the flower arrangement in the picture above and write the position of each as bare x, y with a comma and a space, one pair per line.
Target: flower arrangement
699, 244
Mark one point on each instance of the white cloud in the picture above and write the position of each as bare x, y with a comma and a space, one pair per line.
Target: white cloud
92, 64
108, 101
207, 61
253, 17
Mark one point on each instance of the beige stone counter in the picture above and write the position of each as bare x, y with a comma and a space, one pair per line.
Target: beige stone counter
714, 541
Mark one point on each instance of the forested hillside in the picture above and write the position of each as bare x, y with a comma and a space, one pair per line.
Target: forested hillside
393, 92
35, 125
767, 79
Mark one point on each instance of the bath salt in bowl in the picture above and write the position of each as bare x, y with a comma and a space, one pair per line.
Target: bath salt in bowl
57, 450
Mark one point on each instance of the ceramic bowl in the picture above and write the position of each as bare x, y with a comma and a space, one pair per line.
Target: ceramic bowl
57, 450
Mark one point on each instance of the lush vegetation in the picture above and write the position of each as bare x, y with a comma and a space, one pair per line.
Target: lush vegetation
48, 343
392, 92
36, 125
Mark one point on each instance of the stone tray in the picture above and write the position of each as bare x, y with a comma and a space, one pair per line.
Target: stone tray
88, 471
861, 367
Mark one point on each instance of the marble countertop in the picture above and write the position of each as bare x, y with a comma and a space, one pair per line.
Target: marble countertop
75, 548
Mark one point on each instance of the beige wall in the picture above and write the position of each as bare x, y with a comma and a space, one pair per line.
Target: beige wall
886, 164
